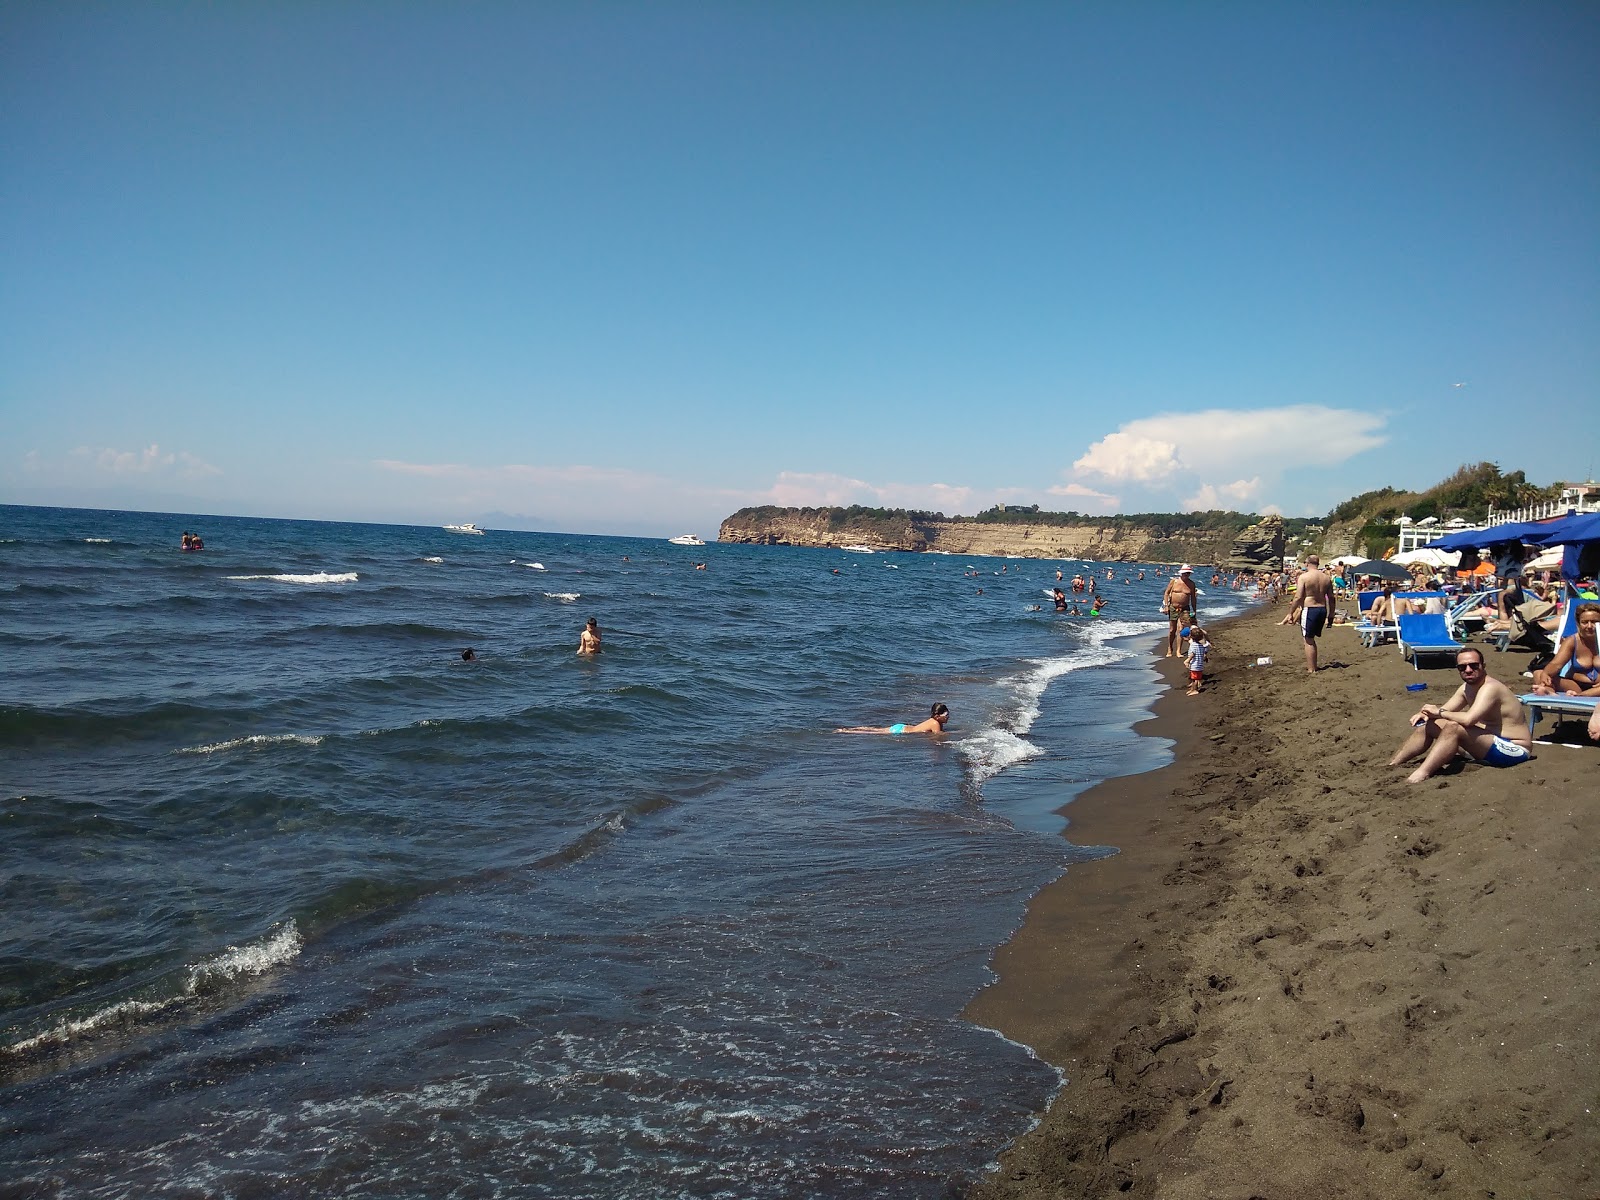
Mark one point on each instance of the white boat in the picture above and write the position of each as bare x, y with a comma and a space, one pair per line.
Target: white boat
859, 549
465, 527
687, 539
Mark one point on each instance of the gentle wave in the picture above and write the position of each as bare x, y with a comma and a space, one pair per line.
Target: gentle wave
23, 725
564, 597
255, 739
319, 577
280, 946
991, 750
431, 559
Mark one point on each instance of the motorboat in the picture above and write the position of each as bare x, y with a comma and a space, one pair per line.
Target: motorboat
687, 539
465, 527
859, 549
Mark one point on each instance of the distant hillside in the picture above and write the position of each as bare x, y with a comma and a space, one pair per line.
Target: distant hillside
1364, 524
1368, 523
1206, 537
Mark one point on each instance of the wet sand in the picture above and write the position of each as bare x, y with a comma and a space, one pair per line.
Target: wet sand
1302, 976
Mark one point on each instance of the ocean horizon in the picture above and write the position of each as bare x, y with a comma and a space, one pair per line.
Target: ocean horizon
302, 900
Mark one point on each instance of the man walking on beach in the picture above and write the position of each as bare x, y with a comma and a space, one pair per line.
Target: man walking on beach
1482, 720
1312, 607
1179, 603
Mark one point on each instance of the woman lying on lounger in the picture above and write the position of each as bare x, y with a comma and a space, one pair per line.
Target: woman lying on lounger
1582, 651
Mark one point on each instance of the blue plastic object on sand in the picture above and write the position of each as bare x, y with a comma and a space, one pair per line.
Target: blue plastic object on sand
1416, 687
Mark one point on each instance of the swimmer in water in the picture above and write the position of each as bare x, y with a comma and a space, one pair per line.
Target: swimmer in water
589, 638
934, 724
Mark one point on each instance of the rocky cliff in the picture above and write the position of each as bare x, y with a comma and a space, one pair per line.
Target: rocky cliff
1086, 540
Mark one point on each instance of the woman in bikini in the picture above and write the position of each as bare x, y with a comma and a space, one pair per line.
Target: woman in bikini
1582, 651
934, 724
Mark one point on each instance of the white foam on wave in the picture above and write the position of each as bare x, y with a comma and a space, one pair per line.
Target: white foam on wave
98, 541
255, 739
433, 559
564, 597
280, 946
530, 565
1005, 743
318, 577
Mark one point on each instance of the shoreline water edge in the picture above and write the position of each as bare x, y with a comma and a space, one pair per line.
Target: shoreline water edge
1300, 975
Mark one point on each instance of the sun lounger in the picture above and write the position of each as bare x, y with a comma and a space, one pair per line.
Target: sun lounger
1371, 635
1425, 633
1571, 706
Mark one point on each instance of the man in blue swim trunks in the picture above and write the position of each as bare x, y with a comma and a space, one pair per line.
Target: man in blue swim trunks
1482, 720
1312, 607
934, 724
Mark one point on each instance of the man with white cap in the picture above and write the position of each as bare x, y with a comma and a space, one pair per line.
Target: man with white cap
1179, 602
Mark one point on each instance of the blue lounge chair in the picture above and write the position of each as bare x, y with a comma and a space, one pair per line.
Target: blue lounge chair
1570, 706
1425, 633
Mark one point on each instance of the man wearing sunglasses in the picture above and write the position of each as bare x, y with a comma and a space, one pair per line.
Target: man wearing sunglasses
1482, 720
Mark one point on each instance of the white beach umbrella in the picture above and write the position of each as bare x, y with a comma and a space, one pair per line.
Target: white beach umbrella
1429, 558
1549, 559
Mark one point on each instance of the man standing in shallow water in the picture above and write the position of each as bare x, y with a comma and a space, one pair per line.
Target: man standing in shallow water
1180, 603
1483, 720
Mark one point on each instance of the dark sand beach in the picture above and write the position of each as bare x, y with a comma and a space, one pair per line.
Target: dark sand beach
1302, 976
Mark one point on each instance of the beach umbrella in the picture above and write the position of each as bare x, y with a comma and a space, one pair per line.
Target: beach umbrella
1483, 568
1379, 569
1430, 558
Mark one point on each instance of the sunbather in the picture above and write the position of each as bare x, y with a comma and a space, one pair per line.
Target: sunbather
1578, 656
1482, 720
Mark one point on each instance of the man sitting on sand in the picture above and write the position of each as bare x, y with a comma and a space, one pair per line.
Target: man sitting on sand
1482, 720
934, 724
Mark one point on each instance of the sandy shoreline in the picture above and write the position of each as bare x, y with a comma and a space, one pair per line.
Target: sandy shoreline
1302, 976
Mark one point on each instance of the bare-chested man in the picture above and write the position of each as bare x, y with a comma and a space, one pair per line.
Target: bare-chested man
589, 637
1312, 607
1482, 720
1179, 602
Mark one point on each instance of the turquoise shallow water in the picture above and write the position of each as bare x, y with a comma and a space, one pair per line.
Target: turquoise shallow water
299, 901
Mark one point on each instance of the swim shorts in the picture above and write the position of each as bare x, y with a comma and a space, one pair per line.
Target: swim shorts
898, 727
1312, 618
1505, 754
1196, 676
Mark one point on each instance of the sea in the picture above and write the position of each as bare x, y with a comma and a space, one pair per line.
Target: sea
298, 902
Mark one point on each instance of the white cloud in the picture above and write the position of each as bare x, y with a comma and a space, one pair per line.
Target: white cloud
800, 489
1076, 491
150, 461
1223, 496
1231, 442
1130, 455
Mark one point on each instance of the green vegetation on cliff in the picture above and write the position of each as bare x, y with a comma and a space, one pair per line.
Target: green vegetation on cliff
1468, 494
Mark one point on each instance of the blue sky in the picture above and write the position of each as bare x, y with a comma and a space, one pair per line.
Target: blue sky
624, 268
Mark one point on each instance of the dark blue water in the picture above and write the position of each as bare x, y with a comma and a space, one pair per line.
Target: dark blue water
297, 901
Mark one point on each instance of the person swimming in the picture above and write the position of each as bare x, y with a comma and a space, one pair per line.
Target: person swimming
934, 724
589, 637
